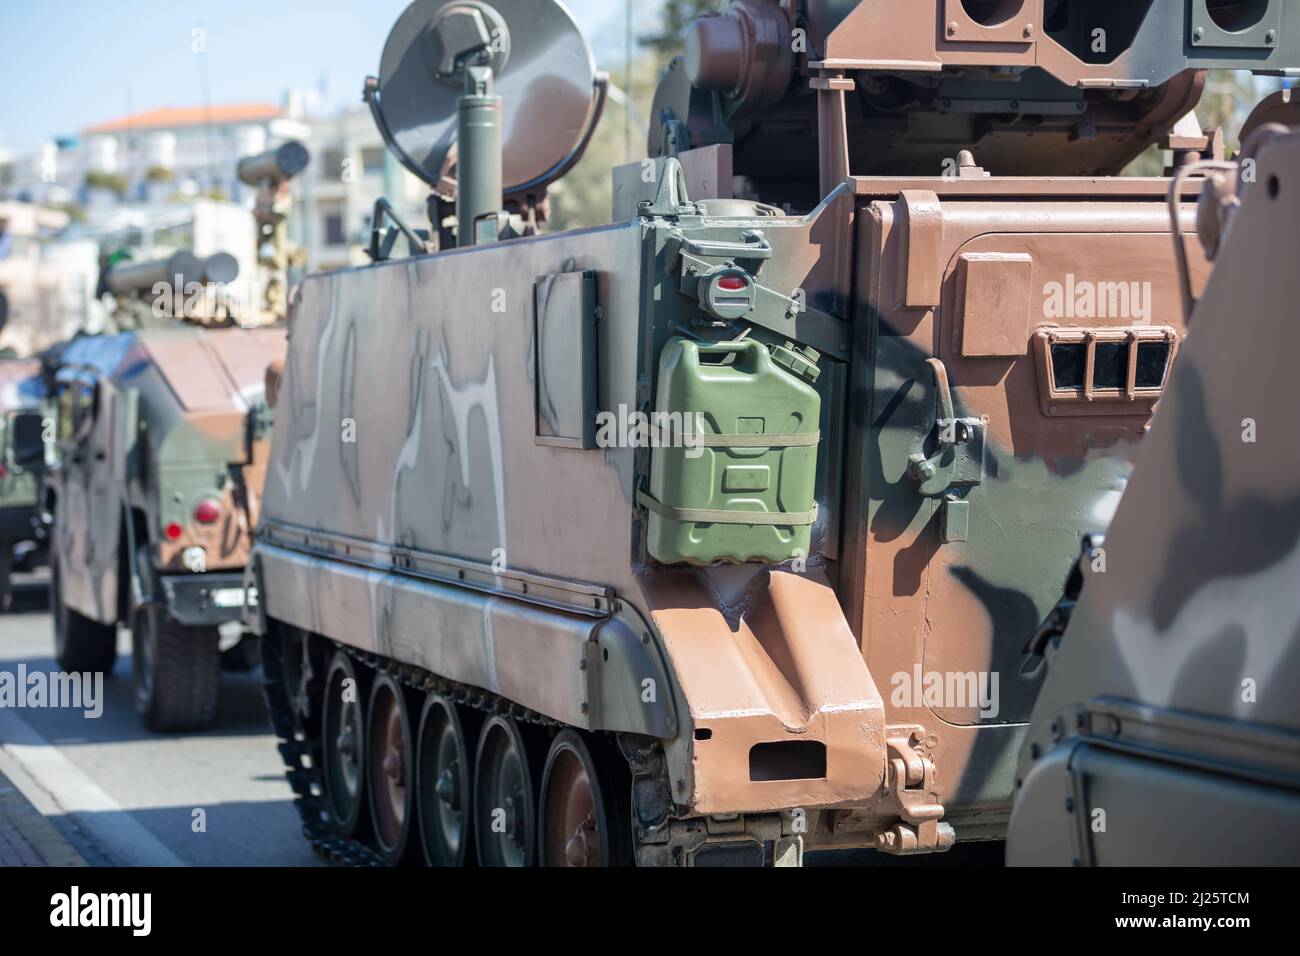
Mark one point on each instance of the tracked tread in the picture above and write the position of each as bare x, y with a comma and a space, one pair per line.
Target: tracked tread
301, 752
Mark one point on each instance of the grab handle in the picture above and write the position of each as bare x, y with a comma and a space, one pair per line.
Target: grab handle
752, 245
747, 349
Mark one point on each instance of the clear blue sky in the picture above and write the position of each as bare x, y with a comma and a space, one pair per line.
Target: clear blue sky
68, 64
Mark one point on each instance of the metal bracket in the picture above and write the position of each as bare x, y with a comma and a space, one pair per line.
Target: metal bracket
909, 789
382, 241
672, 200
772, 310
958, 456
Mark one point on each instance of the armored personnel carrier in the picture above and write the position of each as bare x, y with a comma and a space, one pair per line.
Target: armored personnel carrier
715, 535
23, 413
162, 438
1169, 705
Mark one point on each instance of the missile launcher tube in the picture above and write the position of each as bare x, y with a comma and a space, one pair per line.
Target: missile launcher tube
132, 278
275, 165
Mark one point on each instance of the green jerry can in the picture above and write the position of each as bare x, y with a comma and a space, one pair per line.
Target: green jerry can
734, 459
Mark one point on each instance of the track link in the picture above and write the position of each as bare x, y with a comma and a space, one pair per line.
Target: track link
302, 752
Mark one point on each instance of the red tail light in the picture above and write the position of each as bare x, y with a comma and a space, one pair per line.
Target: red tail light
173, 531
732, 283
207, 511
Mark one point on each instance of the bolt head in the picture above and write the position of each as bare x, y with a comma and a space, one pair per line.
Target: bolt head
1029, 30
952, 28
1198, 34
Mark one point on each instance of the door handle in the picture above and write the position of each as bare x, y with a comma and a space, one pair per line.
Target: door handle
958, 456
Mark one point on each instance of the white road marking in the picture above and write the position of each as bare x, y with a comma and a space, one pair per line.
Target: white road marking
55, 786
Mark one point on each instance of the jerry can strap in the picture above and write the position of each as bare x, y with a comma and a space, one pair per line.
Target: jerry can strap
705, 440
724, 516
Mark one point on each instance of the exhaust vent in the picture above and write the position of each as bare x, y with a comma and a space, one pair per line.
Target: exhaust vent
788, 760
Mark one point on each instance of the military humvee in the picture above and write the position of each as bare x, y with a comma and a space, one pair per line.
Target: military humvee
716, 534
23, 413
161, 450
1172, 660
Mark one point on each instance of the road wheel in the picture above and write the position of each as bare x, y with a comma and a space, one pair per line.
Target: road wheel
80, 644
444, 788
390, 763
177, 672
583, 811
505, 796
344, 748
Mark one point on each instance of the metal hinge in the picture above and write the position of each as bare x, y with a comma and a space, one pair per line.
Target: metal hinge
909, 788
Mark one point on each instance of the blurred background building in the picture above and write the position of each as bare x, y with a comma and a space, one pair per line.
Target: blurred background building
163, 178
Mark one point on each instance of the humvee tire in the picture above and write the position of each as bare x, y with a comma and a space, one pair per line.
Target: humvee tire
177, 671
80, 644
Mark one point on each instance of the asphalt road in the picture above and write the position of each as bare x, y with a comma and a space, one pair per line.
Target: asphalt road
125, 797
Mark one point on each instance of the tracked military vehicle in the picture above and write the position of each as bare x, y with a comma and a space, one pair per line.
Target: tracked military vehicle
715, 535
162, 437
1172, 658
23, 413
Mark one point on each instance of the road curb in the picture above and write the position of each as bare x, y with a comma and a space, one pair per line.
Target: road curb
26, 837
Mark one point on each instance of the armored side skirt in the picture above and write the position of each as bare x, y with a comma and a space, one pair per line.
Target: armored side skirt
581, 670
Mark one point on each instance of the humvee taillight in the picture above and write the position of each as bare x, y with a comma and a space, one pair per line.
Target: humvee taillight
173, 531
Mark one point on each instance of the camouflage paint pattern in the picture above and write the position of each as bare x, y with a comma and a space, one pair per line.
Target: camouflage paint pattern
21, 391
1172, 691
151, 423
413, 511
22, 405
382, 502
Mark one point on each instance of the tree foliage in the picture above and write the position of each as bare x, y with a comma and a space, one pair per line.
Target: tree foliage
110, 181
666, 42
1229, 97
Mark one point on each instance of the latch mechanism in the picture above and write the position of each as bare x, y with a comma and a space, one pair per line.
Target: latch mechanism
958, 456
909, 788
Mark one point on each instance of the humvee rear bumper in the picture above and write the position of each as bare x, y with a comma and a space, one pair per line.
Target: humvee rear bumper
206, 600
